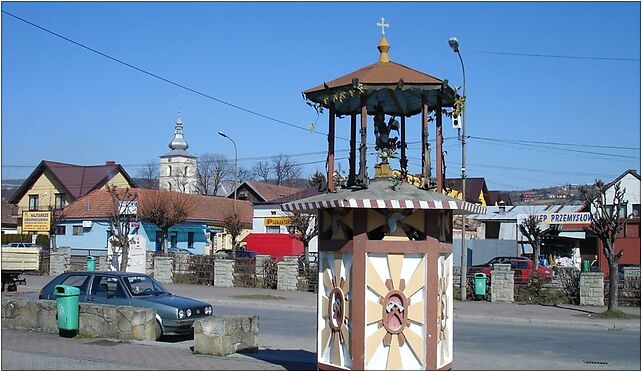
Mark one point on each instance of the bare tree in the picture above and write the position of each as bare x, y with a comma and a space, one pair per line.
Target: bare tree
262, 170
285, 169
210, 172
531, 230
606, 224
180, 180
244, 174
164, 209
233, 226
306, 225
149, 175
121, 214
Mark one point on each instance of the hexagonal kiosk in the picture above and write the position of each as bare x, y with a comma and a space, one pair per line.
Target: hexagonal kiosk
385, 245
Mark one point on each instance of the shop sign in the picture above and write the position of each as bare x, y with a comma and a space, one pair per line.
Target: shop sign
278, 221
36, 221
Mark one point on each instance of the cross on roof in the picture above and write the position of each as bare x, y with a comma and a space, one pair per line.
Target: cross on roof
383, 24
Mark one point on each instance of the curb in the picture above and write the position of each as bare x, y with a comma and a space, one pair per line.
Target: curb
612, 326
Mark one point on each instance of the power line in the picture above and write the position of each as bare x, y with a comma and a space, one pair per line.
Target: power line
556, 56
558, 143
166, 80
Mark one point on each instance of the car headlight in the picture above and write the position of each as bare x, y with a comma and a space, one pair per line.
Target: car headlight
181, 314
208, 310
188, 313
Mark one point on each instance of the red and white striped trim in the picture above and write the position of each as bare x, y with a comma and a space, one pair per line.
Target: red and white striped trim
390, 204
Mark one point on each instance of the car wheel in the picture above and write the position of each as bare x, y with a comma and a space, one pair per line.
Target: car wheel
159, 331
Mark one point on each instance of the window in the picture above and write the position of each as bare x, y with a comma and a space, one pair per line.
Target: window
272, 229
61, 230
169, 171
169, 186
77, 230
608, 209
33, 202
273, 213
190, 239
636, 211
185, 171
173, 238
60, 201
143, 286
79, 281
623, 210
107, 287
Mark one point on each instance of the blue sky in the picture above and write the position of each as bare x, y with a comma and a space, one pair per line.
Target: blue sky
63, 103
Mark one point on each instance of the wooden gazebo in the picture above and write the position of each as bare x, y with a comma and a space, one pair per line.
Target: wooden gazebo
387, 88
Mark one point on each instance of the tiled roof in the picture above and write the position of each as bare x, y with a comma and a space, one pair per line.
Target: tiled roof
495, 196
269, 192
77, 180
474, 187
212, 209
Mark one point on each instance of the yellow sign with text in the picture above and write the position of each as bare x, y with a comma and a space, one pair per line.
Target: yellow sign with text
278, 221
36, 221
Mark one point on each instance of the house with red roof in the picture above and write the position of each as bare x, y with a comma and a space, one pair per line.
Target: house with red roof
261, 192
85, 224
54, 185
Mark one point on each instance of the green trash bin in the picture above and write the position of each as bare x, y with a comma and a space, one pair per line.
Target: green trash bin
67, 309
480, 284
585, 266
90, 263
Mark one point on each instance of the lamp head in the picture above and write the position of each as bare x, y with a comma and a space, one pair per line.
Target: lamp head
454, 44
221, 134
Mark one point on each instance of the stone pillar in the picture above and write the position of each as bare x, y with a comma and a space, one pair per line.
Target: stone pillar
223, 273
287, 276
290, 258
102, 263
59, 261
149, 262
591, 289
261, 259
502, 285
163, 267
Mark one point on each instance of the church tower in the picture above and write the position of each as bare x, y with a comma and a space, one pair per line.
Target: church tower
178, 167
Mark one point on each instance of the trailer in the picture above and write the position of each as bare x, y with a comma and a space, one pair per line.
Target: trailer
16, 262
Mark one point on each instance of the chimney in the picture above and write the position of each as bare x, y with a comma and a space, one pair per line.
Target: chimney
110, 162
502, 207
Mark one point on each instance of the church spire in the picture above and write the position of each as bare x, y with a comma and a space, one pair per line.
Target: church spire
178, 143
383, 43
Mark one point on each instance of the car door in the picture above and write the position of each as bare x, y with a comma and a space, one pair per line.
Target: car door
108, 289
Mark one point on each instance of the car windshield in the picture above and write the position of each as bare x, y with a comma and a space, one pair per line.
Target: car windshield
143, 285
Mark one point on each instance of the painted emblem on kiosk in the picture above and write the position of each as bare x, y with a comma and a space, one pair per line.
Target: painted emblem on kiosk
395, 314
335, 310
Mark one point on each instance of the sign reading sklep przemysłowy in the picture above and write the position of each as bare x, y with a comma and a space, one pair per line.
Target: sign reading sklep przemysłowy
36, 221
565, 218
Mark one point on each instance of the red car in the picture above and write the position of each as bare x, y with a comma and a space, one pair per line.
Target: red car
524, 271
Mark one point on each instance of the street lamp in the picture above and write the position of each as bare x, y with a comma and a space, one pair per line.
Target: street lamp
454, 45
235, 162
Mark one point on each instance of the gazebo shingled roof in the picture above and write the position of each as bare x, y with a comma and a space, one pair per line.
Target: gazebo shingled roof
398, 87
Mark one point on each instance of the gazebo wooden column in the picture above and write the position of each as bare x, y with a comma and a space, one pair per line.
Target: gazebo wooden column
440, 154
424, 126
331, 125
353, 149
403, 162
363, 172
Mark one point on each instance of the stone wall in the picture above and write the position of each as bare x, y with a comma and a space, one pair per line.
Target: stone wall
59, 261
102, 263
502, 285
163, 267
104, 321
287, 276
591, 289
149, 263
631, 273
224, 335
224, 273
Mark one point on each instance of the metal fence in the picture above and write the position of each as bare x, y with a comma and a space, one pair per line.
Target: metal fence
628, 291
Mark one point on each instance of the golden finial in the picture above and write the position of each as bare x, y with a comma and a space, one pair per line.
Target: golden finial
383, 43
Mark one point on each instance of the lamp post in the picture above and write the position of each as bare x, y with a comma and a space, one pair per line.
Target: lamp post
235, 163
454, 44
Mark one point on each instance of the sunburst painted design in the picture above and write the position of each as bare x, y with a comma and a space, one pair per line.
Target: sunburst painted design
444, 312
394, 313
334, 346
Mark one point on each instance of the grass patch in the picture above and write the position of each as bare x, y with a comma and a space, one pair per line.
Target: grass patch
259, 297
616, 314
